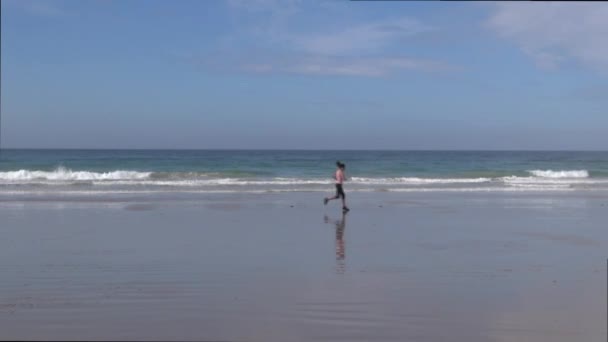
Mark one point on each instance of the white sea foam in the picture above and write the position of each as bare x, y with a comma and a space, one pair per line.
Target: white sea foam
540, 180
416, 180
63, 174
63, 179
485, 189
560, 173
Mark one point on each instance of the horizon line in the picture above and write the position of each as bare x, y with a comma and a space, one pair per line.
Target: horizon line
301, 149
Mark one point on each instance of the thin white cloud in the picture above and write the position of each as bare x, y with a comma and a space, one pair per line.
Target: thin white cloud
553, 33
593, 93
263, 5
325, 47
365, 38
258, 68
275, 12
364, 66
46, 9
38, 8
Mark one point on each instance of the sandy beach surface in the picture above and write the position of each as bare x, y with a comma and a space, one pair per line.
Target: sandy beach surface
470, 267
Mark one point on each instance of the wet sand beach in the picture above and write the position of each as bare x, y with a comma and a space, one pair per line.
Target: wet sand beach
477, 266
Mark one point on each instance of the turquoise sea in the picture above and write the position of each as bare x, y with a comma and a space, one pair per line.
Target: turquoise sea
120, 171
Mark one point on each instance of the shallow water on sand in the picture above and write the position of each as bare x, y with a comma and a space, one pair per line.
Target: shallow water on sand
276, 267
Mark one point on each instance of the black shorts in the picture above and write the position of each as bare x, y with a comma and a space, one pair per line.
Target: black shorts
340, 191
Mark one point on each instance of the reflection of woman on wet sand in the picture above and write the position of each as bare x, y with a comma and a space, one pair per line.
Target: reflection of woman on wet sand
340, 226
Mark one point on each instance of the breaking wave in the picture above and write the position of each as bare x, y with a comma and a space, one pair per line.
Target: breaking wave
64, 174
537, 180
560, 173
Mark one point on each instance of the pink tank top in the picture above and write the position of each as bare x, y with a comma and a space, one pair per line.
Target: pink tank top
339, 176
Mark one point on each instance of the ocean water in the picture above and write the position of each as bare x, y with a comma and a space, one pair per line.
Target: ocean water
148, 171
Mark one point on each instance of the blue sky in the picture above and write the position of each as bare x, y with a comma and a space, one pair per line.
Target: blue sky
304, 74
